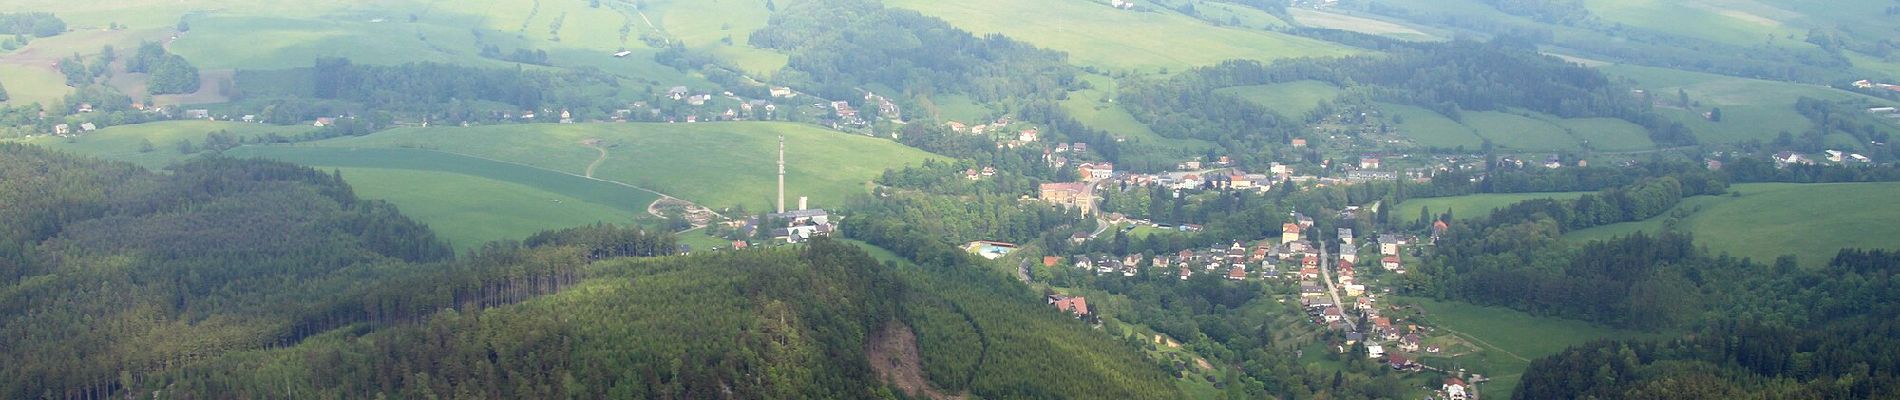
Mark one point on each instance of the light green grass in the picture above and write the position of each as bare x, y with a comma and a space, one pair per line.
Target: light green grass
714, 164
1474, 205
1095, 34
1751, 109
960, 108
122, 143
1096, 108
33, 84
1293, 99
1432, 129
1517, 132
1370, 26
1607, 134
271, 42
1509, 338
1735, 22
523, 199
468, 210
1811, 221
709, 24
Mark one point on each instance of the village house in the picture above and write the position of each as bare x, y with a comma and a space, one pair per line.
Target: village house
62, 129
957, 127
323, 122
1028, 135
1299, 143
677, 93
198, 114
1332, 314
1051, 261
1398, 361
1369, 163
1391, 263
1074, 304
1289, 233
781, 91
1345, 236
87, 127
1237, 273
1095, 171
1069, 194
1389, 244
1409, 342
1454, 389
1375, 351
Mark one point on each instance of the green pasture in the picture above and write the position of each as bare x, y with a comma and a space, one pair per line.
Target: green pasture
126, 142
1366, 25
1508, 339
714, 164
1429, 128
1292, 99
469, 210
1751, 109
1094, 34
1474, 205
1517, 132
1811, 221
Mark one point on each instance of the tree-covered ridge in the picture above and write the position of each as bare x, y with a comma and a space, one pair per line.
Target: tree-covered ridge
839, 46
440, 92
1834, 340
1448, 78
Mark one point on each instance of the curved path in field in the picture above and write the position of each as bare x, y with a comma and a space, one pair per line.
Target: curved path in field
597, 161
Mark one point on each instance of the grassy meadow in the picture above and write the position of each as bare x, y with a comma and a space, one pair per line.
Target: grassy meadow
715, 164
1366, 25
1095, 34
468, 210
125, 142
1431, 129
1474, 205
1517, 132
1811, 221
721, 27
1292, 99
1506, 339
1751, 109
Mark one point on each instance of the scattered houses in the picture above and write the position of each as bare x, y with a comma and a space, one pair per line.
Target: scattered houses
1075, 195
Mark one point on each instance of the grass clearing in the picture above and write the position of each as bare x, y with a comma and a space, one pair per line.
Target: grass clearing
1095, 34
1431, 129
1370, 26
1811, 221
124, 142
1607, 134
722, 27
32, 84
1735, 22
469, 210
714, 164
1751, 109
1508, 338
1097, 109
1475, 205
1292, 99
1517, 132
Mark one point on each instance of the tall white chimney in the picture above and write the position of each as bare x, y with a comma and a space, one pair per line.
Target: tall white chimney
801, 203
781, 174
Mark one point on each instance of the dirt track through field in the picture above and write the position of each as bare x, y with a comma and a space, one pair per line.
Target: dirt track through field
595, 143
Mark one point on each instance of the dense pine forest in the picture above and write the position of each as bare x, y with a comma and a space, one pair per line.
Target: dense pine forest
247, 278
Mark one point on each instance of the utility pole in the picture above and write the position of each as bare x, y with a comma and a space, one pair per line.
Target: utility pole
781, 174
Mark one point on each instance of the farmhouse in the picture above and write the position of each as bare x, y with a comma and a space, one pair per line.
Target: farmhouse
1095, 171
798, 226
1074, 304
1069, 194
323, 122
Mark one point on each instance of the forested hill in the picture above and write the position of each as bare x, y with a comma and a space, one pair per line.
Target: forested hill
255, 279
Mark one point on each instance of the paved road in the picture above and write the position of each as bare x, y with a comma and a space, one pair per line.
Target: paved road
1325, 272
1022, 270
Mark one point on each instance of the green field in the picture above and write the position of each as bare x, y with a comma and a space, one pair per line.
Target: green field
1608, 134
122, 143
1431, 129
1333, 20
1095, 34
29, 84
1812, 221
1735, 22
1474, 205
1517, 132
721, 27
1508, 338
714, 164
469, 210
1751, 109
1096, 108
469, 200
1292, 99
